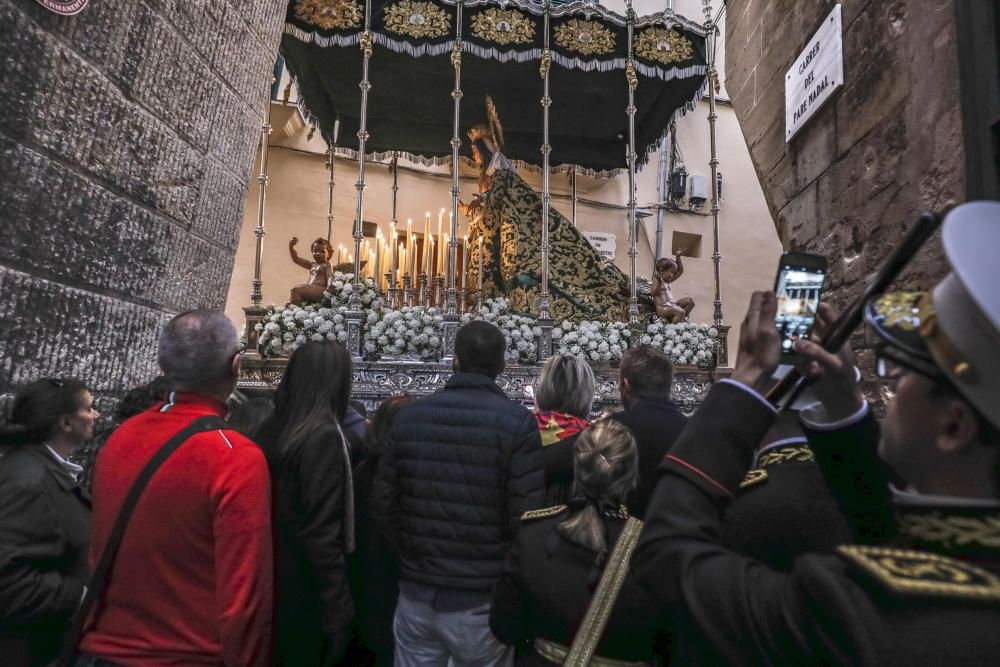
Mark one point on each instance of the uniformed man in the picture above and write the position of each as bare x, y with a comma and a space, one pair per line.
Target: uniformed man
783, 509
937, 601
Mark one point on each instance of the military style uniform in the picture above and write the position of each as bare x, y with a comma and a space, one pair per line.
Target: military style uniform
783, 508
863, 605
544, 590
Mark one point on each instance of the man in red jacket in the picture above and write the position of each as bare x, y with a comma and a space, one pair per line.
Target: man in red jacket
191, 584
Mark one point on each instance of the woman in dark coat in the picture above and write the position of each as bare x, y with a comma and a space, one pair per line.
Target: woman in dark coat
44, 519
559, 555
563, 399
313, 506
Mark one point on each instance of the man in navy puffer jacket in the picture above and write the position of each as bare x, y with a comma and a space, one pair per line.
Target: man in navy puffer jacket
460, 468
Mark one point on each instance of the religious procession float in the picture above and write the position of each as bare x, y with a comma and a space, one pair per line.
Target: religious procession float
383, 80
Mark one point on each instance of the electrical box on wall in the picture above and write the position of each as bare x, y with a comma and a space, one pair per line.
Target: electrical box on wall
700, 190
686, 244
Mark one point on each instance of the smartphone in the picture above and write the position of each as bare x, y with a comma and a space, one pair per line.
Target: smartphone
798, 287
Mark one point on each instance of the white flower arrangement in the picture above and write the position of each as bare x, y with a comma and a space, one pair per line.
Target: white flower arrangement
592, 340
685, 343
416, 333
406, 332
281, 331
338, 292
521, 332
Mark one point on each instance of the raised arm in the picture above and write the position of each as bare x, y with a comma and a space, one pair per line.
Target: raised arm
680, 264
295, 256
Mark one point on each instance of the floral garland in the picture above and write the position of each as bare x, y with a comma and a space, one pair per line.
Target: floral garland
416, 333
338, 291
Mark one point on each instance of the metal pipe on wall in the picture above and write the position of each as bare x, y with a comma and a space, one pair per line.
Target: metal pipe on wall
661, 192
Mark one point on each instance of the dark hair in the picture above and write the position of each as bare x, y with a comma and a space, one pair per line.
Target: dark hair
663, 262
313, 393
36, 410
605, 469
648, 371
142, 398
480, 348
247, 415
327, 246
196, 349
382, 421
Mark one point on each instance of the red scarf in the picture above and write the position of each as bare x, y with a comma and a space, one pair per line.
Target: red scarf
557, 426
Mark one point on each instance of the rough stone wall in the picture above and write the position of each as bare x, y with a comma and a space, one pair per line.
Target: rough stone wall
127, 136
887, 145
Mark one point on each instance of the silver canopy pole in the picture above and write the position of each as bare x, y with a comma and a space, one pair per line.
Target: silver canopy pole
633, 82
544, 67
713, 82
256, 294
450, 324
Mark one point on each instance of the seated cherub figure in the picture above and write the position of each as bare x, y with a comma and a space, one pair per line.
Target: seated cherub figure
666, 271
320, 271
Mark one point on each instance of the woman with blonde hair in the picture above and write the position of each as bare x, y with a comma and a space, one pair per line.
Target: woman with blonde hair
556, 562
563, 400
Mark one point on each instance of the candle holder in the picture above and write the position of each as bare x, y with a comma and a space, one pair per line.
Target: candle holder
439, 291
407, 290
423, 293
390, 291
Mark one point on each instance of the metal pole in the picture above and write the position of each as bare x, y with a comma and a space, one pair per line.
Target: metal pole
449, 326
661, 191
572, 187
713, 79
329, 198
456, 60
365, 85
256, 294
544, 67
633, 82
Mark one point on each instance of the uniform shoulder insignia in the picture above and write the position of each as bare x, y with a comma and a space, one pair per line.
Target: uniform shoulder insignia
800, 454
754, 477
920, 573
542, 513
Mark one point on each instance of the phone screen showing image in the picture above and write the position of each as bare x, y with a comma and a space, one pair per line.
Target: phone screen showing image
798, 291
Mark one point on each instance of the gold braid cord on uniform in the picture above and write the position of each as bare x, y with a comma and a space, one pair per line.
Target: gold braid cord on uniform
599, 611
920, 573
582, 283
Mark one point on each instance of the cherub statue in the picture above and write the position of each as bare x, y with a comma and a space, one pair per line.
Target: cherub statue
667, 270
320, 271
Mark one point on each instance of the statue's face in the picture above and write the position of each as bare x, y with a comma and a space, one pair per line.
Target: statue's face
320, 253
667, 271
476, 155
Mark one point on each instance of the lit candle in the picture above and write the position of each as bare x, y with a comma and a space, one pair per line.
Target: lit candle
378, 258
429, 264
440, 258
465, 258
413, 256
392, 239
340, 252
400, 252
444, 248
408, 268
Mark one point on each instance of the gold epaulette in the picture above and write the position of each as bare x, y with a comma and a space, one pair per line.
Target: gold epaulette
754, 477
542, 513
922, 573
786, 455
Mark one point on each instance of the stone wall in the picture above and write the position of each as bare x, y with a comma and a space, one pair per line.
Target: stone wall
887, 145
127, 137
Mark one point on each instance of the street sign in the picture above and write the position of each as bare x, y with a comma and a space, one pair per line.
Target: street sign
815, 74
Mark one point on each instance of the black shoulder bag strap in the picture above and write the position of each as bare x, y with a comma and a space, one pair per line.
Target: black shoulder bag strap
98, 580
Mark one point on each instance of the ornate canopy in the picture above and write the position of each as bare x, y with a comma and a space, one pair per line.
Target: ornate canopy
410, 106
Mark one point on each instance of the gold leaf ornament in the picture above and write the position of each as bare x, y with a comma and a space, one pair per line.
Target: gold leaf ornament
503, 26
414, 18
329, 14
663, 46
586, 37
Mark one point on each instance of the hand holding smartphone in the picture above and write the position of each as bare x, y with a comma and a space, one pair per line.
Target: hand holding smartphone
798, 287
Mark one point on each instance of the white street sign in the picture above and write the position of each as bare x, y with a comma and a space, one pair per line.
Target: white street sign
815, 74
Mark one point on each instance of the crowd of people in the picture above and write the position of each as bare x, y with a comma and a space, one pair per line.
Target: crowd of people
462, 528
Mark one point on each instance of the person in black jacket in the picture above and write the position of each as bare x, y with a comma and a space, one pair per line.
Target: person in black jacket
563, 401
460, 468
313, 505
44, 519
556, 562
644, 381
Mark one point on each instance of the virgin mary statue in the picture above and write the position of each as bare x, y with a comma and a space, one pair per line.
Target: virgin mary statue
507, 215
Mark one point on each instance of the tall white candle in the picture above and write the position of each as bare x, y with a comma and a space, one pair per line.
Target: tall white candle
465, 259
